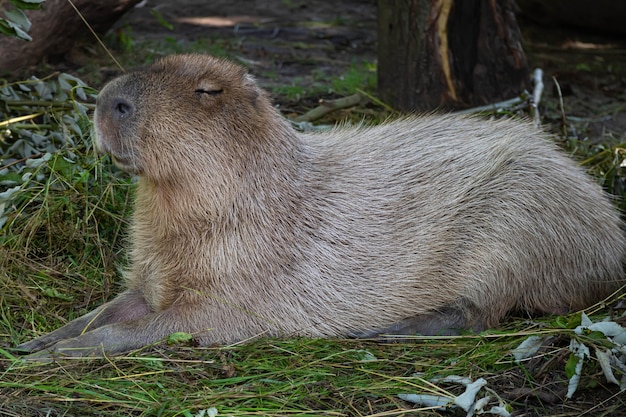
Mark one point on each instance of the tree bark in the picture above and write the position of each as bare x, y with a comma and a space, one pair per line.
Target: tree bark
56, 28
447, 54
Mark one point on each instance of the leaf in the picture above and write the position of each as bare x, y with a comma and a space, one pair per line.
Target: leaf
81, 108
18, 17
37, 162
62, 165
71, 123
161, 19
64, 82
467, 401
604, 358
209, 412
607, 328
572, 370
16, 24
54, 293
468, 398
527, 348
574, 367
6, 195
585, 321
365, 356
426, 400
80, 92
179, 337
71, 84
19, 32
22, 34
45, 90
455, 379
6, 29
27, 4
10, 178
500, 411
570, 365
23, 87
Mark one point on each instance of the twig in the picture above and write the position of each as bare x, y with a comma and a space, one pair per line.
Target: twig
495, 107
93, 32
376, 101
20, 119
562, 108
538, 90
19, 161
329, 106
61, 105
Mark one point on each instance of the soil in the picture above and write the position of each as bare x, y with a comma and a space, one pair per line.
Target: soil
285, 43
306, 43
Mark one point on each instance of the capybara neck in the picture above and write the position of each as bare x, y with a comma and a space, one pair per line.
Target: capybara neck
263, 176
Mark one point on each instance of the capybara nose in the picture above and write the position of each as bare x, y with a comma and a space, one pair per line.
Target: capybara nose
122, 109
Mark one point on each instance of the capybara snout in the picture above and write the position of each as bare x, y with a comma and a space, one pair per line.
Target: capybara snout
122, 110
244, 227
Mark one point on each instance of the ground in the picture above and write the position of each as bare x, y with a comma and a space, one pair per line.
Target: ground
294, 48
307, 51
297, 48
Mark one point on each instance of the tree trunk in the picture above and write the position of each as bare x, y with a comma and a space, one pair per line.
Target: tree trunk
447, 54
55, 29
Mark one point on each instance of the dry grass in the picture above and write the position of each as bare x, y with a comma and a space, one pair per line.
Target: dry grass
306, 377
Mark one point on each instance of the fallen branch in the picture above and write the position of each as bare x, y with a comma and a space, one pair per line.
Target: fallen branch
516, 103
329, 106
498, 107
377, 101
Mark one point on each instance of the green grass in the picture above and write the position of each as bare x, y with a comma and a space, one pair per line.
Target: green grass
291, 377
292, 92
357, 77
362, 76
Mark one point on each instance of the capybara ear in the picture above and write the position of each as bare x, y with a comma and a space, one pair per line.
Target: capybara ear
252, 87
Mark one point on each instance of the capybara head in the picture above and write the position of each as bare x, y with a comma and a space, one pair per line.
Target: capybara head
158, 121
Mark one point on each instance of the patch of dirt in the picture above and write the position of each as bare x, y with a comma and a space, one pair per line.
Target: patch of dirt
285, 43
304, 44
590, 71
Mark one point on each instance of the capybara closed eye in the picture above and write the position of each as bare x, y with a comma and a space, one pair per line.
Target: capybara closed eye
245, 227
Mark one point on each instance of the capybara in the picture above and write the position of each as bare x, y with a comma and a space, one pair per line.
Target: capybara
244, 227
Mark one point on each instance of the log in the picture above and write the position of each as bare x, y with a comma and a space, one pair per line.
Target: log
56, 28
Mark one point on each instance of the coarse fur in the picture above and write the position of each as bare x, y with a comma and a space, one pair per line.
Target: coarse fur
245, 227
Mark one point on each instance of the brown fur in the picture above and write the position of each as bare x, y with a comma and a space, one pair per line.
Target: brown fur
244, 227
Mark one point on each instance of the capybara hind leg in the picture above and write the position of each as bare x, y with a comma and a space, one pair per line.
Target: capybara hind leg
445, 321
129, 305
